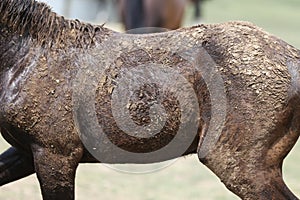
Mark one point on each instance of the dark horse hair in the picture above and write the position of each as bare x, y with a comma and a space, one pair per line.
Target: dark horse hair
36, 19
24, 17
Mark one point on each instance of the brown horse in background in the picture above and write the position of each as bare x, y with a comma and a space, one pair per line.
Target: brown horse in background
152, 13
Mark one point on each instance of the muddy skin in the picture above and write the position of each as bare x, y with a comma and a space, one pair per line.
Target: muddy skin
41, 55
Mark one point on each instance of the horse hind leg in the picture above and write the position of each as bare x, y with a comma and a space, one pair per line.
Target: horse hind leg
14, 165
253, 170
276, 153
274, 159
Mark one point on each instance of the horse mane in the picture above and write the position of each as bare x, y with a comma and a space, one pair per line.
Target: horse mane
36, 19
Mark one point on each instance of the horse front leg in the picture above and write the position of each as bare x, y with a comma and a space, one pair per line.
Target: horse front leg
14, 165
56, 171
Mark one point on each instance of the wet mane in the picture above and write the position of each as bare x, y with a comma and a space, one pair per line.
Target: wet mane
36, 19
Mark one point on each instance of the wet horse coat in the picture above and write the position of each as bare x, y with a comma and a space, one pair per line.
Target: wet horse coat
41, 55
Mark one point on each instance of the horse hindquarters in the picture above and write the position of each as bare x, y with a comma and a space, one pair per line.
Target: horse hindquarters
251, 167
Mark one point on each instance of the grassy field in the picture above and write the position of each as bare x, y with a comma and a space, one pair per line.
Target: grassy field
186, 178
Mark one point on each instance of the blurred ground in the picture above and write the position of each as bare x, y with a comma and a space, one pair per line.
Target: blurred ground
186, 178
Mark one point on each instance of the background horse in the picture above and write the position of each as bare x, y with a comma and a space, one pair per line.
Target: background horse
152, 13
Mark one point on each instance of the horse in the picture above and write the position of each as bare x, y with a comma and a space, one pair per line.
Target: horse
72, 92
151, 13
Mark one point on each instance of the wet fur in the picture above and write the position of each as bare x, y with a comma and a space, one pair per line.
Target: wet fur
41, 53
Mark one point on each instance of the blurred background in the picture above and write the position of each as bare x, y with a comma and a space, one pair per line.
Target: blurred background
280, 17
186, 178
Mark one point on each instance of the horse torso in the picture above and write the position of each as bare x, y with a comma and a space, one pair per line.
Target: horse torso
39, 99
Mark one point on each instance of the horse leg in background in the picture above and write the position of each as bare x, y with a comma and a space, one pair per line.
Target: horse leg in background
173, 14
153, 13
14, 165
56, 171
132, 13
197, 8
248, 160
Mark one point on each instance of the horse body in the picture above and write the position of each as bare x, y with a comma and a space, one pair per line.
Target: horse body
40, 64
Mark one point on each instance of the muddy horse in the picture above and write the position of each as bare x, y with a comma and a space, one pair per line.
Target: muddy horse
232, 85
151, 13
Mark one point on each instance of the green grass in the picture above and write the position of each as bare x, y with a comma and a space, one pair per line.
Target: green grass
279, 17
186, 178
